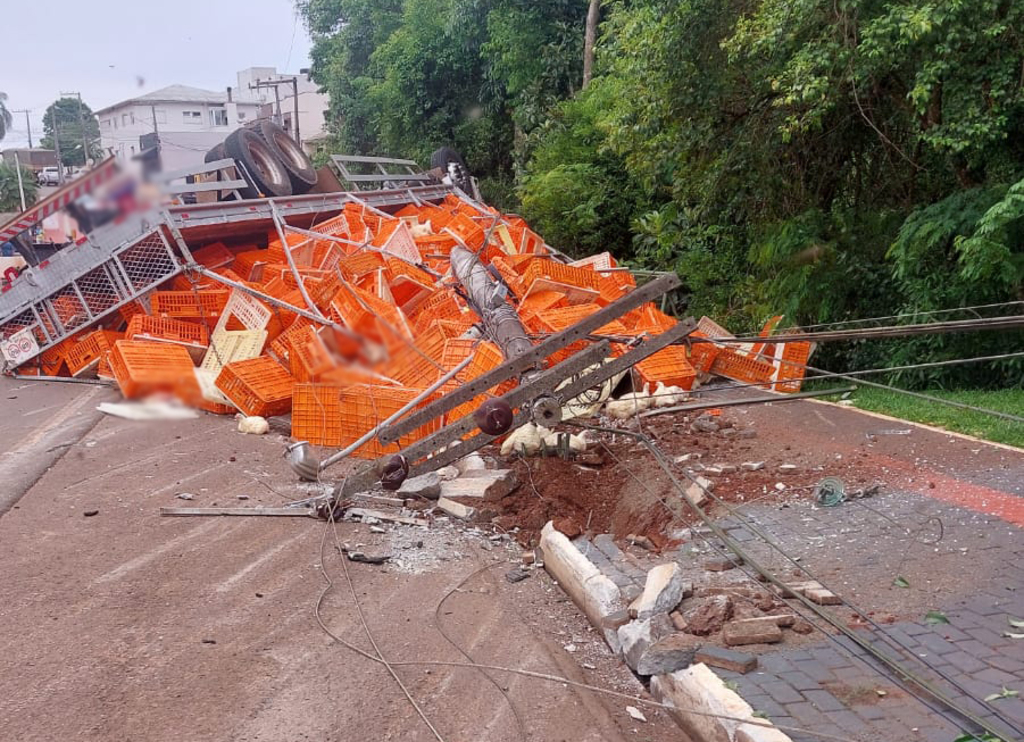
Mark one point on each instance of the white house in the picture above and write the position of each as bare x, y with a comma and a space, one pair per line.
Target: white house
275, 91
189, 121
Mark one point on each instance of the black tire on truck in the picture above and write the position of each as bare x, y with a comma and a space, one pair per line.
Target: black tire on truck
266, 171
216, 153
443, 156
296, 162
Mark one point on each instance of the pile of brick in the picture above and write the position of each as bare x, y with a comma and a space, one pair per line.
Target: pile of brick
395, 322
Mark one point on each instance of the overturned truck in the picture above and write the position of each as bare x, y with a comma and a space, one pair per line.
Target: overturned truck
390, 323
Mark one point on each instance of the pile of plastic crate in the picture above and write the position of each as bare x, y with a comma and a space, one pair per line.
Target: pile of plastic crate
394, 322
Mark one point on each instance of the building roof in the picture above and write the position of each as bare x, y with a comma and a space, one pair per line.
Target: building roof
175, 94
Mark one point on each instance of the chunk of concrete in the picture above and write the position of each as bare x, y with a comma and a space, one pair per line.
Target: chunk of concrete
427, 486
663, 590
592, 592
483, 485
636, 637
671, 653
456, 509
704, 707
752, 465
763, 630
696, 493
470, 464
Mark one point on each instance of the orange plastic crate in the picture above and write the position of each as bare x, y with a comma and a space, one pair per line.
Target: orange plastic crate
206, 304
792, 366
467, 230
333, 416
309, 357
90, 350
249, 264
569, 275
435, 244
143, 367
259, 386
358, 265
172, 330
702, 355
669, 366
214, 256
739, 367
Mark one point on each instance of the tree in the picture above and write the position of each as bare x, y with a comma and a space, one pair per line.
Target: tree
10, 198
69, 115
6, 120
590, 40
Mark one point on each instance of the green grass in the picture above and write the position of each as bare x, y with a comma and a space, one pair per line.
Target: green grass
952, 418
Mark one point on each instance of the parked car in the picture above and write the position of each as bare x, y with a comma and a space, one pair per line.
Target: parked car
49, 176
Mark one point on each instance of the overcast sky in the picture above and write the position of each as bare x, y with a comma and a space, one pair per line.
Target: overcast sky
111, 50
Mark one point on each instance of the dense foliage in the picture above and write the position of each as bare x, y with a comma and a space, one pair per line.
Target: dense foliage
830, 160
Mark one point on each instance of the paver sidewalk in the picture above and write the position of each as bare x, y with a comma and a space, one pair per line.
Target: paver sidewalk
965, 565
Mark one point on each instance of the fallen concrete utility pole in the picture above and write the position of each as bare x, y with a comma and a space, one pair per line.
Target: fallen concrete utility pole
499, 317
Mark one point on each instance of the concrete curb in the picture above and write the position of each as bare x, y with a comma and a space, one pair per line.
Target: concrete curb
699, 689
592, 592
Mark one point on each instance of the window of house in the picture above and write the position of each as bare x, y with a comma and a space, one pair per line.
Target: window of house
124, 119
192, 117
218, 117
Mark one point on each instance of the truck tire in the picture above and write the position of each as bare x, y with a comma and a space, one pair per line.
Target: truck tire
216, 153
296, 162
267, 173
443, 156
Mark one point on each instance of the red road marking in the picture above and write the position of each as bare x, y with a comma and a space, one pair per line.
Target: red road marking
967, 495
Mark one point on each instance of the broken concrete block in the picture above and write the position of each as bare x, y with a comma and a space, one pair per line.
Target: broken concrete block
822, 596
704, 707
696, 492
456, 509
726, 468
631, 591
427, 486
709, 616
813, 591
704, 424
764, 630
663, 590
788, 468
677, 620
636, 637
752, 465
726, 659
785, 620
722, 563
447, 473
485, 485
687, 458
592, 592
671, 653
471, 463
747, 433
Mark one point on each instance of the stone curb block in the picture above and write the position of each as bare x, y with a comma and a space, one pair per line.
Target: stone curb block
593, 593
699, 689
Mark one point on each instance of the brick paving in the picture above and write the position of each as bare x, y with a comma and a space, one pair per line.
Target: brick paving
965, 564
